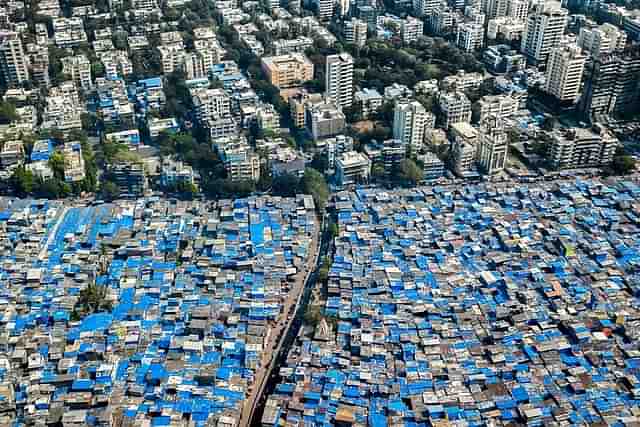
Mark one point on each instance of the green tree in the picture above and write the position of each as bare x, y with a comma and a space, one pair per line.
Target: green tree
56, 163
315, 184
7, 112
409, 172
22, 181
622, 163
109, 190
285, 185
93, 300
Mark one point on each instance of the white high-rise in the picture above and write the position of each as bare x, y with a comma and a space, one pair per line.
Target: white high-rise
355, 32
602, 40
564, 72
409, 121
13, 62
544, 30
426, 7
325, 9
518, 9
339, 79
492, 145
470, 36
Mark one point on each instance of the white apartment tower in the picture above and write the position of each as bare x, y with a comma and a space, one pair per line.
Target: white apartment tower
325, 9
564, 73
543, 31
426, 7
470, 36
409, 121
492, 145
518, 9
339, 79
355, 32
13, 62
602, 41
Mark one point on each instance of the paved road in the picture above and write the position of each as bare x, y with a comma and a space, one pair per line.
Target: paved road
280, 329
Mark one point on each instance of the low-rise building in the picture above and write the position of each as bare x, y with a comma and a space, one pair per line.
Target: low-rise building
581, 148
325, 120
286, 71
433, 167
130, 177
352, 167
368, 100
130, 138
174, 173
74, 167
455, 107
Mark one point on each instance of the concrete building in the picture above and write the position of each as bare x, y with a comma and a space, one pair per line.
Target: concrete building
210, 103
369, 101
601, 41
175, 172
579, 148
470, 36
355, 31
241, 163
409, 121
286, 71
543, 32
325, 120
463, 158
267, 117
116, 64
78, 68
442, 21
432, 166
493, 145
13, 65
324, 9
612, 88
130, 178
518, 9
505, 26
12, 154
74, 167
502, 106
455, 107
410, 29
352, 167
299, 106
39, 65
564, 73
426, 7
501, 59
339, 79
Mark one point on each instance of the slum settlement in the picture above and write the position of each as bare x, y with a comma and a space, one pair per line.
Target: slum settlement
148, 312
481, 305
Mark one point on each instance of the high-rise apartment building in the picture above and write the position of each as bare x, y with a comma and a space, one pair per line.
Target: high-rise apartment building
470, 36
409, 121
544, 30
339, 79
455, 107
355, 32
426, 7
78, 67
612, 87
564, 73
602, 40
13, 63
325, 9
492, 145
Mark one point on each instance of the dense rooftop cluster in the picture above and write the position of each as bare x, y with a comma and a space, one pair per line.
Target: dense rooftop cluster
188, 294
483, 305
